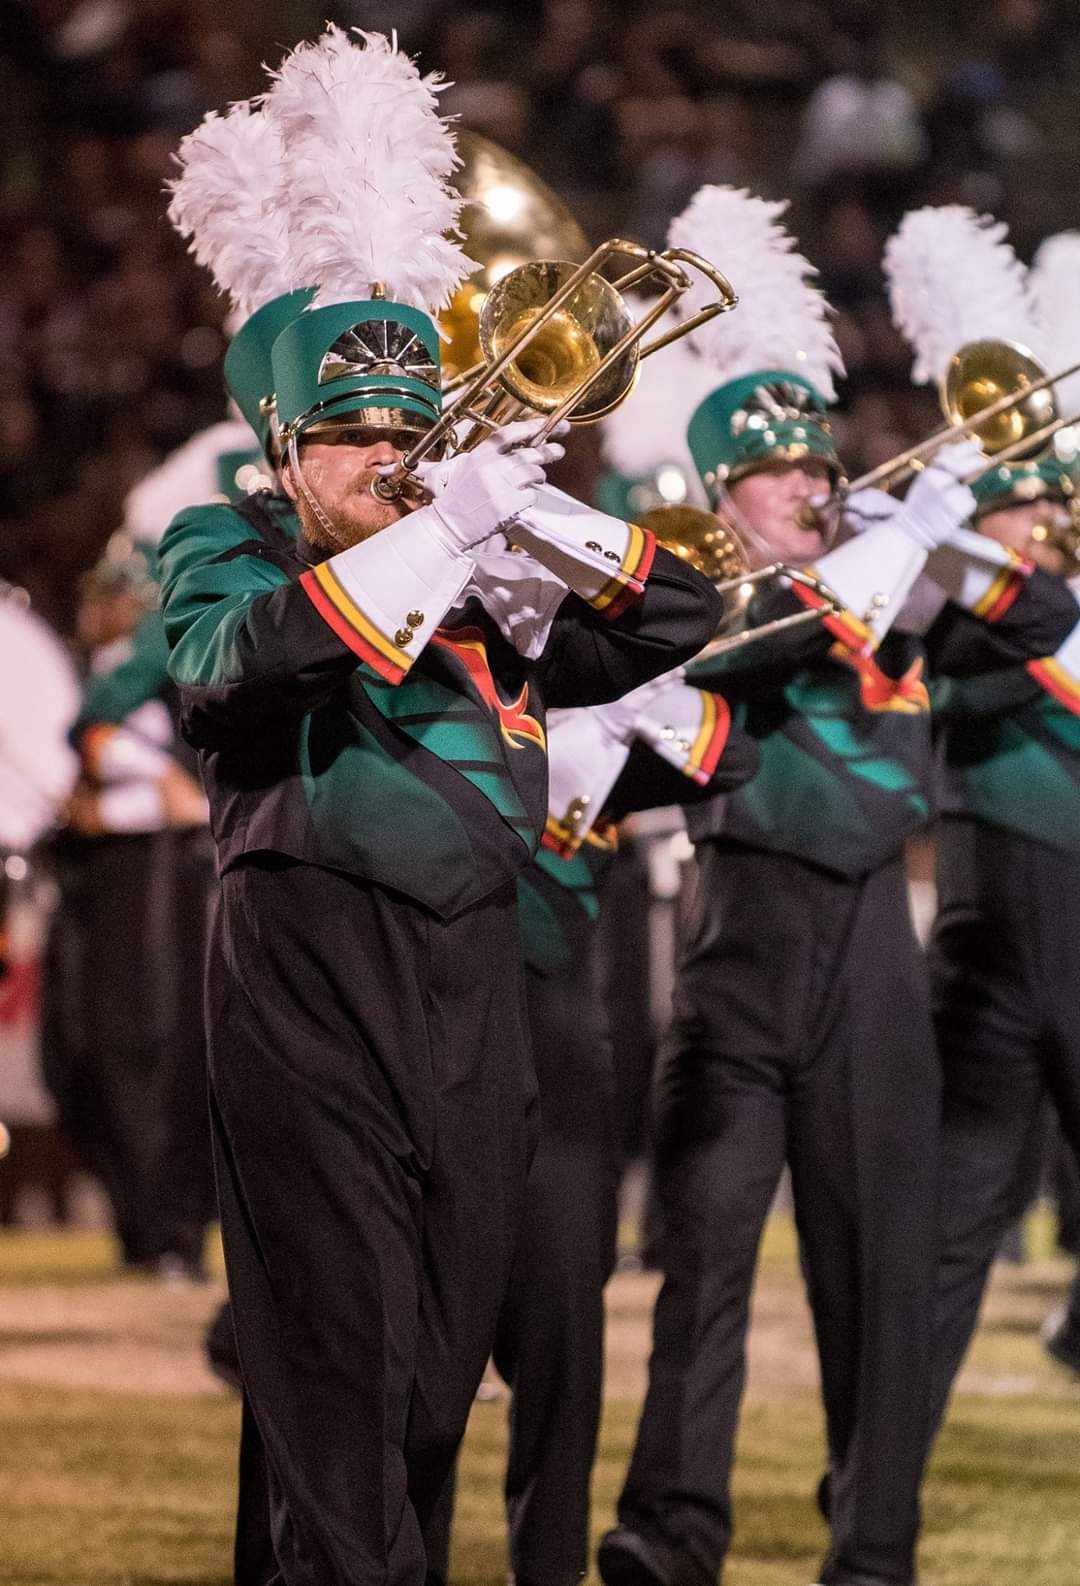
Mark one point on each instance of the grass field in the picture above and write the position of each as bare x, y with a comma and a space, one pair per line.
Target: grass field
117, 1448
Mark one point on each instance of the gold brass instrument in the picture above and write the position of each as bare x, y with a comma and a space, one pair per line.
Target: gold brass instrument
559, 339
508, 217
711, 545
1062, 535
993, 391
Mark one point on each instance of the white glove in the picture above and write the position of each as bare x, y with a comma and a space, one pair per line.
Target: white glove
938, 503
476, 492
864, 509
622, 716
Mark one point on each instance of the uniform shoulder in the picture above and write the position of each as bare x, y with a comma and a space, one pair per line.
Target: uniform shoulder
204, 533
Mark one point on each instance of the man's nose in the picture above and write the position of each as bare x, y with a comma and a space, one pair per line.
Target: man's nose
385, 451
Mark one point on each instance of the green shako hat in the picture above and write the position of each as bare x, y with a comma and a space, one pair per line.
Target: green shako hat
774, 359
760, 420
373, 357
249, 372
1014, 484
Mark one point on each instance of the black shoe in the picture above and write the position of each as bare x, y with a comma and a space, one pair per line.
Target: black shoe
833, 1574
823, 1496
625, 1558
1062, 1341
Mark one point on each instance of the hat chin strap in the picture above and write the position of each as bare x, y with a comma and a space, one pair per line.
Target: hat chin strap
302, 486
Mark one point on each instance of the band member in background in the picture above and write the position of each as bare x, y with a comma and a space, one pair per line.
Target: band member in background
802, 1027
1004, 968
367, 689
664, 743
122, 1029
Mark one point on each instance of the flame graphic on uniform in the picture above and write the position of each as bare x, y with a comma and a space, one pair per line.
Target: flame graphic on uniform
906, 694
518, 728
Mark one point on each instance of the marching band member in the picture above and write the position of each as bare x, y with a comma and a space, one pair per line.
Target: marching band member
664, 743
122, 1042
373, 747
1003, 960
802, 1025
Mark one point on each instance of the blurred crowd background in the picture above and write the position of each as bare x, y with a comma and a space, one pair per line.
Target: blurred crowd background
111, 339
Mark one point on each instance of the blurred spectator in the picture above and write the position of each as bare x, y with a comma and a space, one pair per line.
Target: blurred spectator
110, 340
860, 119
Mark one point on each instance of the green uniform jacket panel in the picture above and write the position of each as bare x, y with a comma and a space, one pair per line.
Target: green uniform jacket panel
847, 767
436, 787
1009, 755
558, 905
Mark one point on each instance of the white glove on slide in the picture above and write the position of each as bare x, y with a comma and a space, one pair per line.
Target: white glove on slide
938, 503
477, 492
864, 509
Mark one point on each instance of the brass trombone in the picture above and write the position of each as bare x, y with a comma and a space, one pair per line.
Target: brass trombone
993, 391
559, 339
712, 546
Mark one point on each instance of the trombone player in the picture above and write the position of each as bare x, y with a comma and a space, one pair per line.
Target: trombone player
366, 686
802, 1028
1003, 962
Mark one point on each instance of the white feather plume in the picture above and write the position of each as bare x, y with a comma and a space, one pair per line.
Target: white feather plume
649, 428
226, 200
782, 319
953, 278
188, 477
366, 168
1054, 287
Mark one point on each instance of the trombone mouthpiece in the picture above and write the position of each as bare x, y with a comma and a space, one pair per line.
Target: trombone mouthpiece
389, 487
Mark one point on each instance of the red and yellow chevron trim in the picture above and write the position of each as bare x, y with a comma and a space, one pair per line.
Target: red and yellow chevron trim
559, 838
843, 625
342, 614
1059, 683
1004, 590
710, 741
628, 584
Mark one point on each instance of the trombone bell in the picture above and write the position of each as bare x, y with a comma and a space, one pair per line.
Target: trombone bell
983, 372
699, 538
568, 347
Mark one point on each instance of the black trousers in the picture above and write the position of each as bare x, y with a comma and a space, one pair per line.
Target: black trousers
374, 1113
1005, 973
549, 1344
802, 1033
123, 1045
